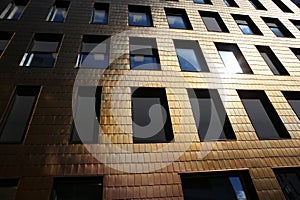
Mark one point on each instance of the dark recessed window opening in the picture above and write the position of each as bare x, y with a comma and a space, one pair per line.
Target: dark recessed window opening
257, 5
5, 37
144, 54
296, 2
277, 27
272, 61
233, 58
190, 56
213, 21
100, 13
282, 6
246, 24
296, 23
16, 120
140, 16
58, 12
263, 115
294, 100
177, 18
210, 115
8, 188
43, 51
203, 1
87, 115
225, 185
14, 9
230, 3
150, 116
296, 51
94, 52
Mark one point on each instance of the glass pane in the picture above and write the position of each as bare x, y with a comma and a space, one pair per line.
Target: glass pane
16, 12
42, 59
94, 47
245, 29
139, 19
269, 63
94, 61
277, 31
176, 22
59, 15
230, 61
238, 188
295, 104
3, 44
188, 60
100, 17
44, 46
200, 1
290, 184
211, 24
144, 62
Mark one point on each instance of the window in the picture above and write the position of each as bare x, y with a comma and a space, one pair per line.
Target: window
43, 51
87, 115
277, 27
226, 185
16, 119
94, 52
190, 56
282, 6
143, 54
100, 13
294, 100
289, 181
203, 1
150, 115
5, 37
58, 12
246, 24
14, 9
210, 115
263, 115
272, 61
230, 3
257, 5
213, 21
8, 188
177, 18
296, 2
233, 58
140, 16
296, 23
296, 51
88, 188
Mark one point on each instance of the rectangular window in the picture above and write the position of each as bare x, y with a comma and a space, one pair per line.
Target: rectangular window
190, 56
100, 13
263, 115
14, 125
272, 61
225, 185
94, 52
58, 12
87, 115
88, 188
289, 181
143, 54
210, 115
14, 9
151, 120
296, 2
177, 18
139, 16
282, 6
246, 24
296, 51
230, 3
296, 23
5, 37
294, 100
277, 27
233, 58
203, 1
43, 51
213, 21
257, 5
8, 188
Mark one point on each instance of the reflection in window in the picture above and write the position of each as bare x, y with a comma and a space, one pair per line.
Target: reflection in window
8, 188
139, 16
203, 1
246, 24
100, 13
177, 18
58, 12
230, 3
14, 10
213, 21
277, 27
5, 37
230, 61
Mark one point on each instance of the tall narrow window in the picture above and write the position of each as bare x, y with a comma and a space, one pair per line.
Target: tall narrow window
16, 120
213, 21
14, 9
43, 51
296, 51
203, 1
296, 23
246, 24
144, 54
100, 13
190, 56
139, 16
294, 100
277, 27
59, 11
5, 37
177, 18
230, 3
225, 185
233, 58
257, 5
282, 6
94, 52
272, 61
210, 116
263, 116
8, 188
150, 115
87, 115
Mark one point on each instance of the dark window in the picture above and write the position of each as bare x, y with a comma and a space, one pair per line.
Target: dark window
233, 58
230, 3
213, 21
43, 51
296, 2
203, 1
225, 185
282, 6
94, 52
100, 13
210, 115
263, 115
76, 188
150, 115
190, 56
8, 188
246, 24
59, 11
16, 120
294, 100
177, 18
277, 27
296, 23
289, 181
296, 51
272, 61
14, 9
257, 5
5, 37
87, 115
144, 54
140, 16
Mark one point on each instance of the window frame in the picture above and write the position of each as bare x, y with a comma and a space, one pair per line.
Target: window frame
140, 9
204, 2
257, 5
53, 10
106, 8
10, 7
247, 21
282, 6
216, 16
274, 23
296, 51
8, 38
181, 13
231, 3
10, 183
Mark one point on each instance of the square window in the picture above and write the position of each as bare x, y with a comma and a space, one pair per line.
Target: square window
5, 37
8, 188
282, 6
246, 24
177, 18
277, 27
14, 10
100, 13
257, 5
58, 12
203, 1
213, 21
139, 16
